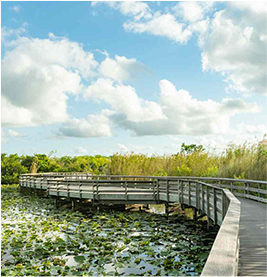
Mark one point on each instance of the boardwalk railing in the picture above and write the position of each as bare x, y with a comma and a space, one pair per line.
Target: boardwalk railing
213, 200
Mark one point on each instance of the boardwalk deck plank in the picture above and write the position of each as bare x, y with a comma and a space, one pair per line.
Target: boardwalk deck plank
253, 239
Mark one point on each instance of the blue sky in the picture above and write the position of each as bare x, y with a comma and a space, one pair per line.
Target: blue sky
104, 77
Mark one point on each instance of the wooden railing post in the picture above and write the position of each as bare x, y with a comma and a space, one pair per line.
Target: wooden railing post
215, 206
48, 188
158, 189
97, 190
208, 202
182, 192
57, 187
197, 195
223, 205
168, 192
154, 193
259, 195
203, 198
248, 191
80, 189
231, 185
189, 193
93, 191
126, 191
178, 190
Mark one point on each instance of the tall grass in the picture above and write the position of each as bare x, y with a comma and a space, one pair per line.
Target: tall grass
237, 161
195, 164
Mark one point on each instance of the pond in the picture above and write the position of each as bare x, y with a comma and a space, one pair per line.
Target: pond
39, 240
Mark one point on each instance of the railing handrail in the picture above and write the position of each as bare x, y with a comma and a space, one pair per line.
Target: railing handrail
146, 176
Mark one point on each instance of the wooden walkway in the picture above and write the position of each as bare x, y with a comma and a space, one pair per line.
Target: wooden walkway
240, 245
217, 203
253, 239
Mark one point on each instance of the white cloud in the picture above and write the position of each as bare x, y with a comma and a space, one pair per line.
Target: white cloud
15, 134
144, 20
7, 32
190, 11
120, 68
161, 25
259, 129
124, 100
35, 85
258, 7
236, 47
177, 24
233, 41
91, 126
80, 150
135, 8
176, 113
15, 8
188, 116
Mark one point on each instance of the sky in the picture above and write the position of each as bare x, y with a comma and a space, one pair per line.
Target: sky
88, 78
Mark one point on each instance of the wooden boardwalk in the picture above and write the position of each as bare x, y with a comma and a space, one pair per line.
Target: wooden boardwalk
217, 203
240, 245
253, 239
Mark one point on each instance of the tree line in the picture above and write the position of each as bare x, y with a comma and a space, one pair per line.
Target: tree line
236, 161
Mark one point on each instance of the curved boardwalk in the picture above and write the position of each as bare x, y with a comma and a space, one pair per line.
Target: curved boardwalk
240, 245
253, 239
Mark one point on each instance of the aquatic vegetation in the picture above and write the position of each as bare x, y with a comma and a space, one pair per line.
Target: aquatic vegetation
39, 240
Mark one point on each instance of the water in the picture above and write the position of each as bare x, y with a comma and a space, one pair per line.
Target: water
40, 240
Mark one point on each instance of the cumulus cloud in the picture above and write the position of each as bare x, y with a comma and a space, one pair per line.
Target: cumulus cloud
161, 25
120, 68
144, 20
80, 150
8, 32
189, 11
124, 100
35, 86
15, 134
233, 40
135, 8
187, 115
177, 112
91, 126
238, 52
177, 24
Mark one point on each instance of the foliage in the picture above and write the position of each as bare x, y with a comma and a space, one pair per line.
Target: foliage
191, 148
39, 240
11, 167
237, 161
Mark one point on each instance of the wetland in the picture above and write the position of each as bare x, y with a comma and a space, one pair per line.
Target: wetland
39, 240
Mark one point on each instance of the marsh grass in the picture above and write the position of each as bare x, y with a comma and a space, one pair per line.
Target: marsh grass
237, 161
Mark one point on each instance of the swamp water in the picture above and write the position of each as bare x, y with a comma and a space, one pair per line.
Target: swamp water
39, 240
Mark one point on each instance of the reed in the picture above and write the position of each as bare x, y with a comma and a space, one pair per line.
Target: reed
237, 161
